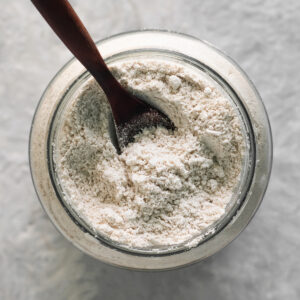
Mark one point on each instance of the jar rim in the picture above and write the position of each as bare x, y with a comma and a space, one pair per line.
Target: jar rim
238, 193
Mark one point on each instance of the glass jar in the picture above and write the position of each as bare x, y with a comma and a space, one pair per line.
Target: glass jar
195, 54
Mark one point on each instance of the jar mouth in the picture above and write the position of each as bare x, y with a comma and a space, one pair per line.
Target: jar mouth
239, 192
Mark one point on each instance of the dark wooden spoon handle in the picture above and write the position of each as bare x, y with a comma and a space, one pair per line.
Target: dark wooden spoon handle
66, 24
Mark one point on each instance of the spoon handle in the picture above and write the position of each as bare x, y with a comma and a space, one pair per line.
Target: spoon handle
64, 21
66, 24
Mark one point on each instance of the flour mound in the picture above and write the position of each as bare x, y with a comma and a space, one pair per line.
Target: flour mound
167, 186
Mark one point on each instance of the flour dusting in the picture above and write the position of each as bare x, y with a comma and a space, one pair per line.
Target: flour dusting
167, 186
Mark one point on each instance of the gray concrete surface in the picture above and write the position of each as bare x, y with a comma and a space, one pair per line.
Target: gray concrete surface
36, 262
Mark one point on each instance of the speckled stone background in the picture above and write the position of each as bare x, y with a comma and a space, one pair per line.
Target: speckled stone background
36, 262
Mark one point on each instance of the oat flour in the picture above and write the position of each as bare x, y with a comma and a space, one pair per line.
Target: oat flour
166, 187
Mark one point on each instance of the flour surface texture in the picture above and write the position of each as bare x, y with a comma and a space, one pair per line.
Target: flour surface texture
168, 186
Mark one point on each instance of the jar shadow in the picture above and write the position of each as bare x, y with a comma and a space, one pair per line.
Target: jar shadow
200, 280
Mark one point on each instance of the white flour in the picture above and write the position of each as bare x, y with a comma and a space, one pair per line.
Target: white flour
166, 187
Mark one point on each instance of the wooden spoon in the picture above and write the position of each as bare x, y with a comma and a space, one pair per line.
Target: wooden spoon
131, 115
